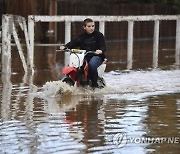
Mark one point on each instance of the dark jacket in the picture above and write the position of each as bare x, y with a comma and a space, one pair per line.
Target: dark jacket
89, 42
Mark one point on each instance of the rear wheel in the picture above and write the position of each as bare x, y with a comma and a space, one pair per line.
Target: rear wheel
68, 80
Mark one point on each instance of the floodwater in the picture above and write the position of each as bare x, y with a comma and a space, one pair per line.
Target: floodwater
138, 111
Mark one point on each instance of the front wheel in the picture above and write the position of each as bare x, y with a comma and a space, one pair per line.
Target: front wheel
68, 80
101, 82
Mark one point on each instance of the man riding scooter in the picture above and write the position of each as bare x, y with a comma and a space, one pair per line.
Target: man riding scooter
90, 40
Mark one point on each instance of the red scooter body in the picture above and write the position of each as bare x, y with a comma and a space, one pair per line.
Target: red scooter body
71, 71
75, 74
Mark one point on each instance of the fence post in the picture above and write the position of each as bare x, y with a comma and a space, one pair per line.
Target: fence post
177, 55
20, 50
31, 41
27, 43
130, 44
67, 39
6, 44
102, 27
155, 43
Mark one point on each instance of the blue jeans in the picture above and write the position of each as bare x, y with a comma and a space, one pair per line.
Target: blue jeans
94, 63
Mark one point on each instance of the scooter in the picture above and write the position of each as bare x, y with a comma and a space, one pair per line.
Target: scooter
76, 73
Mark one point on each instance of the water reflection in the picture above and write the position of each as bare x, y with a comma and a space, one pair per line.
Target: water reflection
83, 123
29, 107
163, 121
15, 137
51, 60
128, 117
6, 96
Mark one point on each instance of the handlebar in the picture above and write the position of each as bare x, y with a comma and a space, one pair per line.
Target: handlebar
76, 51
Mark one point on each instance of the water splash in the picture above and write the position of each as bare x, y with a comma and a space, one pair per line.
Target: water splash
54, 88
136, 85
128, 85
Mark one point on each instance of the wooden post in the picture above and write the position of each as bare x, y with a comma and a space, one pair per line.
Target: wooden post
27, 44
67, 39
31, 40
19, 48
177, 55
6, 45
130, 44
156, 43
6, 67
67, 31
102, 27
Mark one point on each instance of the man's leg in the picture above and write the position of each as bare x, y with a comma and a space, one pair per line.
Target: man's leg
94, 63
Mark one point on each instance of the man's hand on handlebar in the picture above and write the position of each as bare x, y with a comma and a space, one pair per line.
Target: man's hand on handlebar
62, 47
